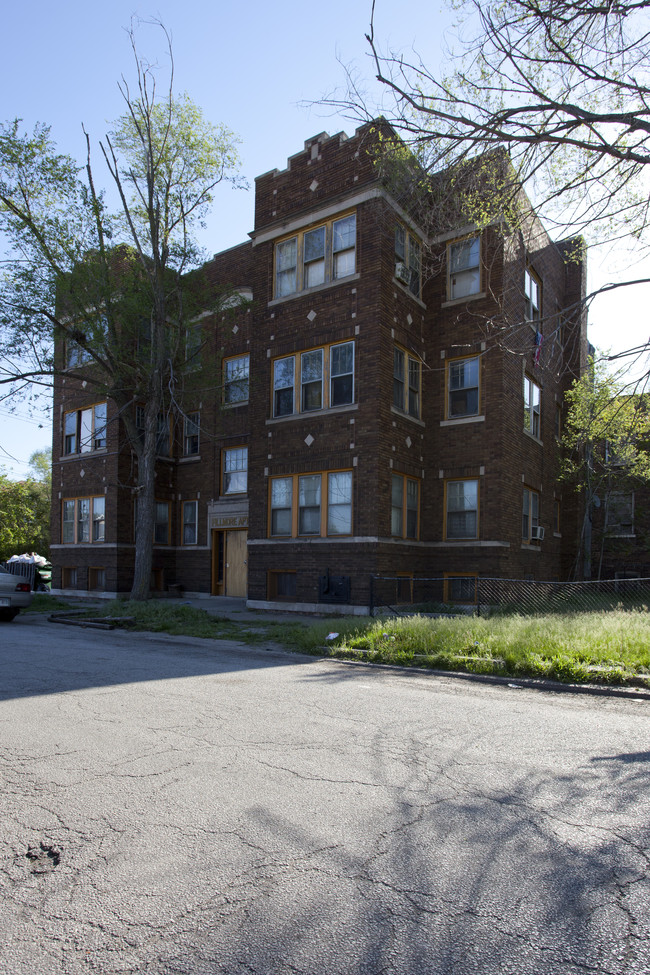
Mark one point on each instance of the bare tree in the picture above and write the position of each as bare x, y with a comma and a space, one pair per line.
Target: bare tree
112, 287
561, 86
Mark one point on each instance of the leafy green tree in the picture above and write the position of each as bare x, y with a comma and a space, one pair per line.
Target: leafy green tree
112, 287
606, 443
24, 517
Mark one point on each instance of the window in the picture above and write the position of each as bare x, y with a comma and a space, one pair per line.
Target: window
281, 585
163, 431
191, 432
324, 378
85, 430
193, 345
464, 269
532, 400
311, 504
407, 376
530, 516
69, 578
461, 509
83, 520
161, 523
463, 387
235, 380
405, 498
408, 259
620, 513
75, 355
235, 470
460, 589
532, 295
190, 522
97, 578
316, 256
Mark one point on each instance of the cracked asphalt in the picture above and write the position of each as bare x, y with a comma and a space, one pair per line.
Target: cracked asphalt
172, 806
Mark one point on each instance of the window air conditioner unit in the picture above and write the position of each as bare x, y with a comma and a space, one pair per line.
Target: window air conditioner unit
402, 272
537, 533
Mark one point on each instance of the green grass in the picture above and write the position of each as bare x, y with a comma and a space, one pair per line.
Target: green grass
595, 647
44, 603
158, 616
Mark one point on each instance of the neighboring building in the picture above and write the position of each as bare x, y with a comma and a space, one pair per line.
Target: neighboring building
385, 404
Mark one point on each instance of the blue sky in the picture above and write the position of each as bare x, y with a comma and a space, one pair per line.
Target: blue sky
254, 66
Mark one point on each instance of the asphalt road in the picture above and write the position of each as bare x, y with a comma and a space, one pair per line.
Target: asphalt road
181, 807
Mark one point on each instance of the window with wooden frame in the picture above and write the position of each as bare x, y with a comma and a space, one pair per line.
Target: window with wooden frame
281, 585
464, 268
317, 379
193, 346
191, 434
96, 579
463, 387
311, 504
405, 506
460, 588
407, 382
619, 518
408, 260
83, 520
317, 256
530, 531
532, 296
532, 407
75, 354
461, 509
161, 522
163, 431
190, 522
234, 468
236, 380
84, 430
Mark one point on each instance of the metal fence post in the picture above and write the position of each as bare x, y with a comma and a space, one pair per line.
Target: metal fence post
371, 607
478, 597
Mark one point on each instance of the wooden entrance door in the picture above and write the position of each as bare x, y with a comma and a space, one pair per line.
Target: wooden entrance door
236, 564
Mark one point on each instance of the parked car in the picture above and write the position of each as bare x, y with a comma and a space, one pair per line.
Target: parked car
15, 594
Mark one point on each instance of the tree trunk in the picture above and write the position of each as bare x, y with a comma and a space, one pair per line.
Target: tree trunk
145, 506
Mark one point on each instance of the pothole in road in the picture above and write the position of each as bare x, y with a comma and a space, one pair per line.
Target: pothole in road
44, 857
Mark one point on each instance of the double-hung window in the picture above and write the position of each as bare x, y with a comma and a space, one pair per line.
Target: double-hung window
532, 407
461, 509
235, 470
235, 380
191, 434
463, 387
530, 516
405, 504
190, 522
83, 520
163, 431
407, 380
620, 513
314, 380
464, 268
320, 255
311, 505
408, 260
85, 430
532, 296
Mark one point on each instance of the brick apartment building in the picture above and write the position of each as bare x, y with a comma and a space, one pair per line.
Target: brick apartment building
387, 404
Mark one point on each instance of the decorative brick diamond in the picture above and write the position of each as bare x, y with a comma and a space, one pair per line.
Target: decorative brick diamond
235, 329
408, 441
409, 319
309, 440
314, 186
312, 315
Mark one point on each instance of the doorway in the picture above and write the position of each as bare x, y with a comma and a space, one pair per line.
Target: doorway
230, 563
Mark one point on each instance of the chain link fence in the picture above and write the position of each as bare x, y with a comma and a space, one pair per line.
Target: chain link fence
456, 595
